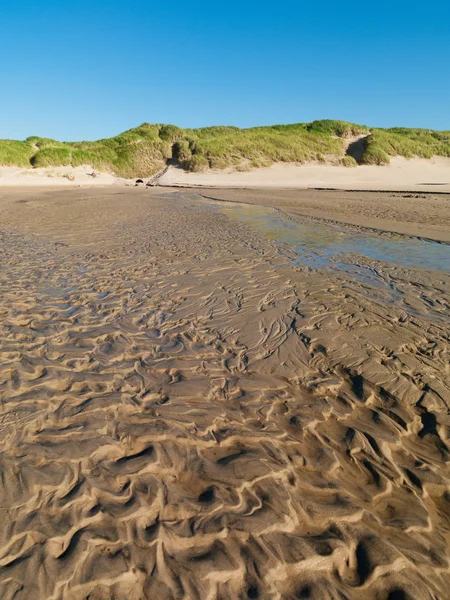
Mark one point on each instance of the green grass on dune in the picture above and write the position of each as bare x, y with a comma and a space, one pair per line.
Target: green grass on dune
338, 128
144, 150
221, 147
258, 146
384, 143
15, 153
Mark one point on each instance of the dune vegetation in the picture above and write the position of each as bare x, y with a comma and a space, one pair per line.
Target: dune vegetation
145, 150
399, 141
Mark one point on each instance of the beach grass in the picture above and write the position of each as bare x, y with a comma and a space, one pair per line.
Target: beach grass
15, 153
384, 143
144, 150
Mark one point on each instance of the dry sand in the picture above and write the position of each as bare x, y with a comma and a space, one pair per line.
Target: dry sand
403, 174
186, 415
56, 176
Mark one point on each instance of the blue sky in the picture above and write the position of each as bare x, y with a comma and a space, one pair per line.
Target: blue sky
82, 69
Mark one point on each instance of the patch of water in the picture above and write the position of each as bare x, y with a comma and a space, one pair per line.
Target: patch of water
325, 247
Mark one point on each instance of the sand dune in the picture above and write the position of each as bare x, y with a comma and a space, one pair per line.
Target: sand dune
186, 415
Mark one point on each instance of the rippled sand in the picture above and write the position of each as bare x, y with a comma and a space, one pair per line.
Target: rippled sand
185, 415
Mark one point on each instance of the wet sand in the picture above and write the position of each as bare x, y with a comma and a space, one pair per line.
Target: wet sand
188, 412
423, 215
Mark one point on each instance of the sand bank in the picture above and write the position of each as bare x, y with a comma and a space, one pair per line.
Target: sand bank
184, 414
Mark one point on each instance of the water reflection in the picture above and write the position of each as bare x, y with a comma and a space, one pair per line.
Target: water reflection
325, 247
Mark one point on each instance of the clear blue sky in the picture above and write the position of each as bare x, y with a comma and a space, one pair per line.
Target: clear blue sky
83, 69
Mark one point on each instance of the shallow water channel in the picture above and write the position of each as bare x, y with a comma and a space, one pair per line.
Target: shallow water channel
329, 247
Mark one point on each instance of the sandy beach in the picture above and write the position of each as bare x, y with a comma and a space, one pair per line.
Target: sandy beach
195, 406
415, 174
84, 176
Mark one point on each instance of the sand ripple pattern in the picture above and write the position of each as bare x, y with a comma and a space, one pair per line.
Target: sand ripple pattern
184, 416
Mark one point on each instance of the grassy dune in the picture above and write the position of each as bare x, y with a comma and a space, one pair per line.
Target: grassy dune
143, 151
398, 141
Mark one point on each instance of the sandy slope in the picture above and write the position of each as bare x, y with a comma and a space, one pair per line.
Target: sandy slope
402, 174
55, 176
184, 415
